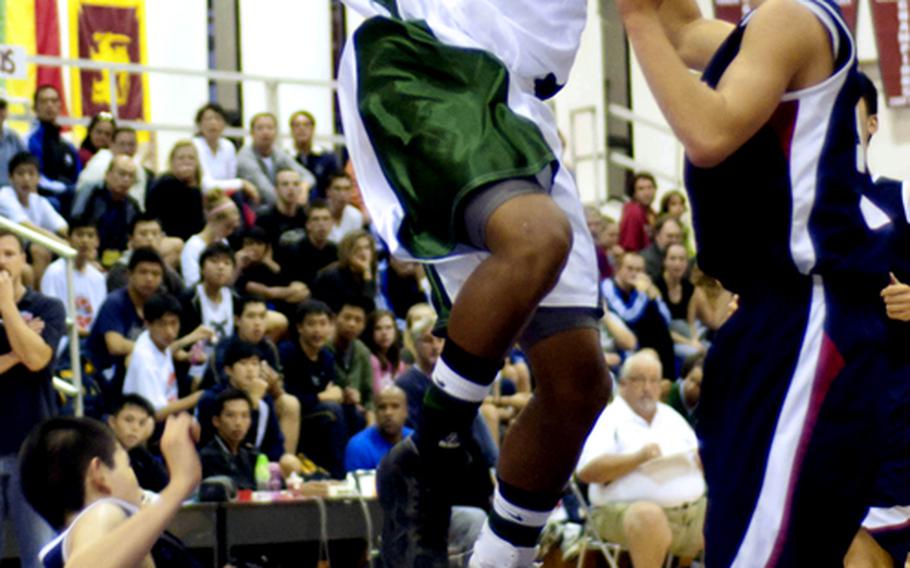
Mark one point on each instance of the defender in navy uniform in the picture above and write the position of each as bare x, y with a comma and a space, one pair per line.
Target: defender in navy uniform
792, 410
886, 528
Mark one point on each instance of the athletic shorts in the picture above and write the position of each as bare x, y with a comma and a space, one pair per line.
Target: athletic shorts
430, 125
796, 400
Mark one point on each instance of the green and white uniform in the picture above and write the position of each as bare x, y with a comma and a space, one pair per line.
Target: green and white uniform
441, 99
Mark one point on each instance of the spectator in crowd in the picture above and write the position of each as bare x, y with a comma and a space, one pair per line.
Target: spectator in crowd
597, 223
144, 231
651, 509
667, 231
32, 325
637, 221
683, 301
285, 220
112, 209
95, 500
320, 161
20, 203
10, 143
632, 296
384, 343
673, 203
367, 448
217, 154
251, 320
222, 219
175, 198
133, 422
211, 301
345, 217
119, 321
123, 143
98, 136
229, 453
309, 371
303, 260
89, 287
353, 275
402, 284
353, 371
259, 161
151, 371
59, 160
686, 390
244, 370
258, 274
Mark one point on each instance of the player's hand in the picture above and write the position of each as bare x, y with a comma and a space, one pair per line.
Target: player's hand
649, 452
897, 300
178, 446
628, 8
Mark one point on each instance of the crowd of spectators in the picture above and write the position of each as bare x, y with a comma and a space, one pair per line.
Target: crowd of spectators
245, 286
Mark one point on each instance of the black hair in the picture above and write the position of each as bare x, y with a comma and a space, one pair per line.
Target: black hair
8, 233
317, 204
238, 351
133, 400
160, 305
311, 307
214, 107
357, 301
256, 234
145, 217
241, 304
145, 254
216, 250
630, 188
103, 116
22, 159
53, 462
869, 93
44, 87
82, 222
228, 395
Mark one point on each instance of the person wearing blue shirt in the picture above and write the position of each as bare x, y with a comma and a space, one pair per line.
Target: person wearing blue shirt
367, 448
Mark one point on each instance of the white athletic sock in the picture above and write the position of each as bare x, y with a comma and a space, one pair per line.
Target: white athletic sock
490, 551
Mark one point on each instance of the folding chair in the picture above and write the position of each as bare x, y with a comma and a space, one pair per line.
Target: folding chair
589, 538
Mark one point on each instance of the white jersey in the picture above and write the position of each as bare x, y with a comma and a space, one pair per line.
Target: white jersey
533, 38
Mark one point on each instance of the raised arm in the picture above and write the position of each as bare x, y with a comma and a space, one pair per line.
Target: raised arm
695, 38
784, 47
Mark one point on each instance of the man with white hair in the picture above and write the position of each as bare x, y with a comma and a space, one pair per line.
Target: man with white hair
641, 461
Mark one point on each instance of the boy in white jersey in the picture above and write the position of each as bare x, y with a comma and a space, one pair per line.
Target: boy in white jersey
456, 154
76, 475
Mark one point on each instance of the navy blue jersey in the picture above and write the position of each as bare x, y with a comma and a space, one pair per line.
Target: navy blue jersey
787, 202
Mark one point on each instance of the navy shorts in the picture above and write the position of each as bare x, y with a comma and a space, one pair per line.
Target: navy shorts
791, 422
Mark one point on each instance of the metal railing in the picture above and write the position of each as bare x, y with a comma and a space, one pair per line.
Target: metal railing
69, 254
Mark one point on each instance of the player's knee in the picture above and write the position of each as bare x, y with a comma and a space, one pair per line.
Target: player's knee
541, 248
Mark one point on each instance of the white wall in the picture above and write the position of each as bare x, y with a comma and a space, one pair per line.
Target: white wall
585, 89
287, 38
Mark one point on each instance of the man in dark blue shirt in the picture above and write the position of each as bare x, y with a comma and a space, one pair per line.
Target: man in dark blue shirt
32, 325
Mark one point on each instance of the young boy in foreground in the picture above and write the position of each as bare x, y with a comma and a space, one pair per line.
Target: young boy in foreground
76, 475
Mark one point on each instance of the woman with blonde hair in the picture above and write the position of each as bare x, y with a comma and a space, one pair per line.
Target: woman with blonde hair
221, 219
180, 185
354, 275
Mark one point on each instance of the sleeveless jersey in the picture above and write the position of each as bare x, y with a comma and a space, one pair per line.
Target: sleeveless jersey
787, 202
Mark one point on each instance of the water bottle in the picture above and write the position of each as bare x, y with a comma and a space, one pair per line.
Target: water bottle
262, 473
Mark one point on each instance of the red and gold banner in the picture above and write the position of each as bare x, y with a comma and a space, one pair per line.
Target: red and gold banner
114, 31
892, 35
733, 11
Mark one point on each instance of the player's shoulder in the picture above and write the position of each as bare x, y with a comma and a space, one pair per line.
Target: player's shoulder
795, 15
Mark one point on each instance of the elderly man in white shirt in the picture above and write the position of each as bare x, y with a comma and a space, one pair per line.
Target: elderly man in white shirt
646, 489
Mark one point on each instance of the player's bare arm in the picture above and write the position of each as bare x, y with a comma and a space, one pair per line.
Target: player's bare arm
785, 48
695, 38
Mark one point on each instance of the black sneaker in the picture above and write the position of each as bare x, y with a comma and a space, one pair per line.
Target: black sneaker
415, 511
